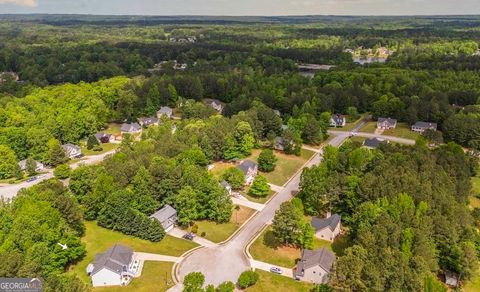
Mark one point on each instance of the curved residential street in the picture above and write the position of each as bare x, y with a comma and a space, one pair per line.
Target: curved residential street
226, 262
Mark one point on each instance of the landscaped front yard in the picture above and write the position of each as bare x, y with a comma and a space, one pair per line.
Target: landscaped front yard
156, 276
105, 148
369, 127
260, 200
220, 232
98, 239
402, 130
272, 282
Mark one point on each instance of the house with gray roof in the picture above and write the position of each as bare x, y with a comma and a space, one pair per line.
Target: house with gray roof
72, 151
327, 228
38, 165
167, 216
373, 143
315, 265
165, 111
115, 267
249, 169
386, 123
132, 128
421, 127
146, 122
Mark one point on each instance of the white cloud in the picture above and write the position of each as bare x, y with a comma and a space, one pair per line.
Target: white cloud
29, 3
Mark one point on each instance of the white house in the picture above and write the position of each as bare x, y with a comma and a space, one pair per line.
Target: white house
315, 265
167, 216
386, 123
327, 228
132, 128
72, 151
338, 120
165, 111
216, 105
38, 165
115, 267
249, 169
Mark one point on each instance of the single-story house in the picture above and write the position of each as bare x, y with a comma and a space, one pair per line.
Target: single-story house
327, 228
227, 187
38, 165
249, 169
167, 216
217, 105
165, 111
145, 122
338, 120
386, 123
421, 127
105, 138
315, 265
451, 279
373, 143
115, 267
279, 144
72, 151
132, 128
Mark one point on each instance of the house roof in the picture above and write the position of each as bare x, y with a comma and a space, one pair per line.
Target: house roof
425, 125
23, 164
387, 120
246, 165
115, 259
338, 118
100, 135
163, 214
331, 222
311, 258
374, 142
148, 121
70, 147
225, 184
133, 127
165, 110
216, 103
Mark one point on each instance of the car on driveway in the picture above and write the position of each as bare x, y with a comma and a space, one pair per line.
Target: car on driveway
33, 178
276, 270
188, 236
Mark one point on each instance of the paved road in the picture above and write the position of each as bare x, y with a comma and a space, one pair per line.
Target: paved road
226, 262
179, 233
372, 135
10, 191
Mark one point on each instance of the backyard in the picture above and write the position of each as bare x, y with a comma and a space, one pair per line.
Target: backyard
218, 232
98, 239
272, 282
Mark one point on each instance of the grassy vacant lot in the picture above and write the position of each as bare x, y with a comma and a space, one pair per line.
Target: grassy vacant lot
98, 239
402, 130
272, 282
219, 232
105, 148
357, 139
220, 167
113, 129
156, 276
267, 249
369, 127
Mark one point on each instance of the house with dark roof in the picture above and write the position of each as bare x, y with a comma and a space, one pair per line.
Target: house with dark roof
115, 267
216, 105
338, 120
72, 151
421, 127
327, 228
373, 143
104, 138
249, 169
315, 265
167, 216
132, 128
146, 122
165, 111
386, 123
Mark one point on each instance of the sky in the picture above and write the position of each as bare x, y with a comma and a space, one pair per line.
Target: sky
243, 7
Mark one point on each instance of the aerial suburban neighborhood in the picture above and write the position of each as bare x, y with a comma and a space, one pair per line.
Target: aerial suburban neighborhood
239, 153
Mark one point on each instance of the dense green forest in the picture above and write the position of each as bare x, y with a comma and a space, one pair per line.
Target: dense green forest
405, 207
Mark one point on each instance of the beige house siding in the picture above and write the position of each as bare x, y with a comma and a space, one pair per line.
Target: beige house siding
328, 234
105, 277
315, 275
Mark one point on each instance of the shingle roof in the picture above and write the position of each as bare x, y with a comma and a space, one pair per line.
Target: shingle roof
148, 121
387, 120
330, 222
116, 259
165, 110
338, 118
425, 125
133, 127
70, 147
246, 165
100, 135
163, 214
311, 258
373, 142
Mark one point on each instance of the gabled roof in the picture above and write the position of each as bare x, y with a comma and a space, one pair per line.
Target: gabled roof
338, 118
331, 222
148, 121
374, 142
116, 259
311, 258
387, 120
70, 147
163, 214
246, 165
133, 127
425, 125
100, 135
165, 110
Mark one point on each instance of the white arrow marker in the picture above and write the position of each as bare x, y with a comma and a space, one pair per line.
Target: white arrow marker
64, 246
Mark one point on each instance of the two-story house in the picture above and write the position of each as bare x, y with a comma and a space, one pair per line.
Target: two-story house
327, 228
315, 265
249, 169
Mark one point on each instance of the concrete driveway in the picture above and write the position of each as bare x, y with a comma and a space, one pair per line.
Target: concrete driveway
287, 272
177, 232
226, 262
242, 201
372, 135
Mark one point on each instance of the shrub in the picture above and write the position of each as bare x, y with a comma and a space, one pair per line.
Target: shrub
247, 279
234, 177
203, 234
226, 287
195, 228
260, 187
62, 171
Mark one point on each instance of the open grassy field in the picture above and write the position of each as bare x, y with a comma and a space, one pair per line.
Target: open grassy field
402, 130
220, 167
113, 129
258, 200
156, 276
98, 239
219, 232
272, 282
266, 249
369, 127
105, 148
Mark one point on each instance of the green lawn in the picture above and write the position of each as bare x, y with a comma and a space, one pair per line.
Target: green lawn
272, 282
258, 200
220, 167
266, 249
402, 130
476, 185
474, 284
349, 126
357, 139
218, 232
156, 276
113, 129
369, 127
98, 239
105, 148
